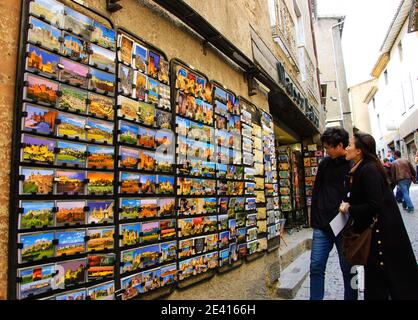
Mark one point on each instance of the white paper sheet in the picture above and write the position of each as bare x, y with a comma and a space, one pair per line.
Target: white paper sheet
339, 222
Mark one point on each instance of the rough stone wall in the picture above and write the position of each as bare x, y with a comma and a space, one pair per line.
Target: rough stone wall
9, 35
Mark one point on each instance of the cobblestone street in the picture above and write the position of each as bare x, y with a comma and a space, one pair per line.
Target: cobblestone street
334, 288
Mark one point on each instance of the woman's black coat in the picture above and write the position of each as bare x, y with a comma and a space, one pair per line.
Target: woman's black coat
391, 250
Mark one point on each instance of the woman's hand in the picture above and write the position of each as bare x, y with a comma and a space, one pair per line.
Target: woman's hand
344, 206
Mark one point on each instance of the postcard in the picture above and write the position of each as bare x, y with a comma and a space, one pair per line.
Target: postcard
187, 206
199, 245
73, 73
168, 275
101, 106
36, 214
186, 268
51, 10
75, 295
44, 34
36, 280
182, 106
148, 184
36, 246
103, 36
71, 126
126, 49
71, 154
102, 292
153, 87
140, 81
146, 137
130, 209
168, 251
130, 183
100, 157
102, 58
146, 113
181, 76
100, 183
128, 133
37, 181
75, 48
70, 273
99, 131
148, 208
70, 242
220, 121
163, 119
164, 161
163, 72
102, 81
77, 23
128, 108
130, 234
224, 239
39, 119
126, 80
224, 257
152, 279
38, 150
186, 248
100, 266
41, 90
164, 137
153, 64
100, 212
168, 229
191, 226
140, 57
129, 158
70, 182
132, 286
165, 185
42, 62
223, 222
166, 207
211, 242
200, 86
240, 217
70, 213
100, 239
72, 99
150, 231
251, 234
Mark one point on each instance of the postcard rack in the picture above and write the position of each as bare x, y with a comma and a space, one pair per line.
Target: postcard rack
311, 159
62, 223
145, 170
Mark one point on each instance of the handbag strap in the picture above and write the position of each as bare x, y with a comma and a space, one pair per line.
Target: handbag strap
374, 222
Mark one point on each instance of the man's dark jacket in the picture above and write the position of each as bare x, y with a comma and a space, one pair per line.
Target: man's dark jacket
329, 190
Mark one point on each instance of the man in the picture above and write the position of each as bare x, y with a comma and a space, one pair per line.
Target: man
328, 192
403, 173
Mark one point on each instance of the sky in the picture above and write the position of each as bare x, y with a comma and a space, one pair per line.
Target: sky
365, 27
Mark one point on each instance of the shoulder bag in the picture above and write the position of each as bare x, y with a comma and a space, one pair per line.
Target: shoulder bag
356, 246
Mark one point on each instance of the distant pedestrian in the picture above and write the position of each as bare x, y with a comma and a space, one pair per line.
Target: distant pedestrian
391, 271
403, 173
328, 191
387, 166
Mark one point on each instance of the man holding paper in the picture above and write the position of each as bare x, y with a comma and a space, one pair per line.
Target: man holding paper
329, 190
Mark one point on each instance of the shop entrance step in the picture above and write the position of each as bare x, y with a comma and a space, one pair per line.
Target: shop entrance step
292, 278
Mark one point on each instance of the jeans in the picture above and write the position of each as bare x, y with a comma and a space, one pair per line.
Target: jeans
322, 244
404, 186
398, 195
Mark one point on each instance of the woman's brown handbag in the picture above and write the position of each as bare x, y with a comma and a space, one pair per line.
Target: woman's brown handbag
356, 246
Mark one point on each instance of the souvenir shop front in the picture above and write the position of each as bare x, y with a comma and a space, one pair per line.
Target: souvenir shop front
136, 170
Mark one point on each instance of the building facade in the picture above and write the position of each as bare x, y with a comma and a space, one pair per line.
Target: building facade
392, 101
357, 96
329, 30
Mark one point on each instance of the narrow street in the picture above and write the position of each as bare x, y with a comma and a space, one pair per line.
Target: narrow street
334, 287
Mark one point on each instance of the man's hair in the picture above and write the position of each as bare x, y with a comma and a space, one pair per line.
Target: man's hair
335, 136
397, 153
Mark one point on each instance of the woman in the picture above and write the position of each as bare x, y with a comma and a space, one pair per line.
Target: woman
391, 271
